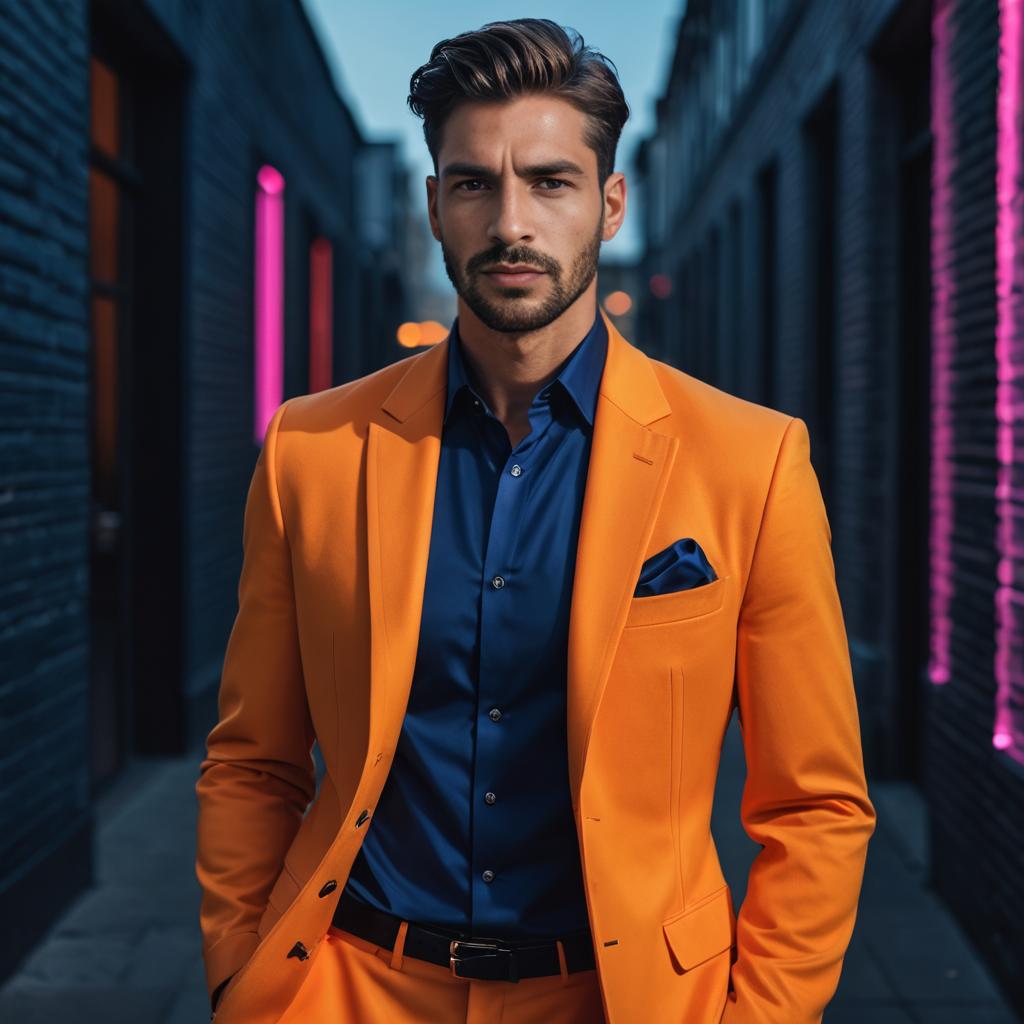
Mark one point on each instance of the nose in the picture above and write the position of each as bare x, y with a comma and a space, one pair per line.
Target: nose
510, 221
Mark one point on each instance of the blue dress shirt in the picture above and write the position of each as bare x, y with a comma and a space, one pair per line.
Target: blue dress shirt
474, 828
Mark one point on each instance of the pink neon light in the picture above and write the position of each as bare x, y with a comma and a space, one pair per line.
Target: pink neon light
1008, 734
321, 315
269, 298
943, 345
269, 180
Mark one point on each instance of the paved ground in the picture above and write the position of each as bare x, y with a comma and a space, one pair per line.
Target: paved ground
127, 950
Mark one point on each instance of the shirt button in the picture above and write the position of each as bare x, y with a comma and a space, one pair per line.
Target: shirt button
490, 797
495, 714
545, 394
516, 470
488, 875
497, 582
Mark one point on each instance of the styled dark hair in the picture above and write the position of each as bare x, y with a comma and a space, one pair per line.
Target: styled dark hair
505, 59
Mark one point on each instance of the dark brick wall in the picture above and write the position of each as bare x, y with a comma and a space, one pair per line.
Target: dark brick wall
44, 465
976, 793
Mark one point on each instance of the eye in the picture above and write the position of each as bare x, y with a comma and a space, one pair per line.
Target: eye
464, 186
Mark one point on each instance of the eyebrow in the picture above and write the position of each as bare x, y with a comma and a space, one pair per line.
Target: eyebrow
534, 171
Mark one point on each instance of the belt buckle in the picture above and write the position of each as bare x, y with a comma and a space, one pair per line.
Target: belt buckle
493, 947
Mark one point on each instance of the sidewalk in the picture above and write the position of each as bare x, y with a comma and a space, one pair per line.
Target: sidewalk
128, 949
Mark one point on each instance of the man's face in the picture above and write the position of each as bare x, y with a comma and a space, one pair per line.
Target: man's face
517, 185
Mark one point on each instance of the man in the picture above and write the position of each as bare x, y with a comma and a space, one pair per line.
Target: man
515, 586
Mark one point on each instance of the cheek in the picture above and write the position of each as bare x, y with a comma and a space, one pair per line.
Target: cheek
464, 231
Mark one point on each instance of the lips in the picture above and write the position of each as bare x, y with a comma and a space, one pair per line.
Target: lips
525, 275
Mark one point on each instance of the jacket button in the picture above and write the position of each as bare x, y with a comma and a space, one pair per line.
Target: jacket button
363, 815
328, 888
298, 950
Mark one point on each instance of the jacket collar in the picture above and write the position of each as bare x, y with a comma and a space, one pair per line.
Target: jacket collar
628, 380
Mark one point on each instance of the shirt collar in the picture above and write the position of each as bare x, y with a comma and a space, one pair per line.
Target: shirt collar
580, 376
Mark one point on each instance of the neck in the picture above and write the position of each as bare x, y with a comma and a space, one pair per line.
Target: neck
509, 369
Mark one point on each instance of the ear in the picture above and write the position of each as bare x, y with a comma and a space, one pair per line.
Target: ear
614, 198
435, 228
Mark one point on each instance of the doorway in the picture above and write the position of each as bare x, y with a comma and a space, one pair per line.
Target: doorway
136, 96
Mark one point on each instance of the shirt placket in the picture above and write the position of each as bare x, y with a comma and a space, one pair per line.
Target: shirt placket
497, 681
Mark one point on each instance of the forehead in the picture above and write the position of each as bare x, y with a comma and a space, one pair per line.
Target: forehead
540, 127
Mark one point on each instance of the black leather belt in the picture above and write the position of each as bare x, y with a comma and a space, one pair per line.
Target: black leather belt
468, 956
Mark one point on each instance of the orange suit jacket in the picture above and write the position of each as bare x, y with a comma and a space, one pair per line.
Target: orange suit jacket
336, 536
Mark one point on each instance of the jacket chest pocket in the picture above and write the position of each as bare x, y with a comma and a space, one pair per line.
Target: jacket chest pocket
678, 605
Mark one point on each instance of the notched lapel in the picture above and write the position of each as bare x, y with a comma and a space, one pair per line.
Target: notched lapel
402, 457
626, 480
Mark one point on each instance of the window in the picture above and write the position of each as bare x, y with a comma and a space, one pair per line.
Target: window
321, 314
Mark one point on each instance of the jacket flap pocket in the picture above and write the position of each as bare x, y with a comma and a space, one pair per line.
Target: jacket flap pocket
702, 931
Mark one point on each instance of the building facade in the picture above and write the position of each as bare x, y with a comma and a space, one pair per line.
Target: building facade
184, 243
833, 220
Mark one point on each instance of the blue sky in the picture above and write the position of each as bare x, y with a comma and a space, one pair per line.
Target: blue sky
374, 48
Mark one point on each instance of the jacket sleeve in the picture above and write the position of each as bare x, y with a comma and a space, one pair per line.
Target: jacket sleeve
805, 799
258, 775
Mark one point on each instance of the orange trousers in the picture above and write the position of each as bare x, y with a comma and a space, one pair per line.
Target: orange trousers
353, 981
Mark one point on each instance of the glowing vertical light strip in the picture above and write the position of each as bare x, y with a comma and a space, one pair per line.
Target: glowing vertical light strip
321, 314
269, 298
943, 346
1007, 734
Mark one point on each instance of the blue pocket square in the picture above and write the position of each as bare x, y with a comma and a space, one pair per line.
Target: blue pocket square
680, 566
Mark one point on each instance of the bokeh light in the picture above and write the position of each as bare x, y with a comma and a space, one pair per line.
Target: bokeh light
660, 285
415, 333
618, 303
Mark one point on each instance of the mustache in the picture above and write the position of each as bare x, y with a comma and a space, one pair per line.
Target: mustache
513, 256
